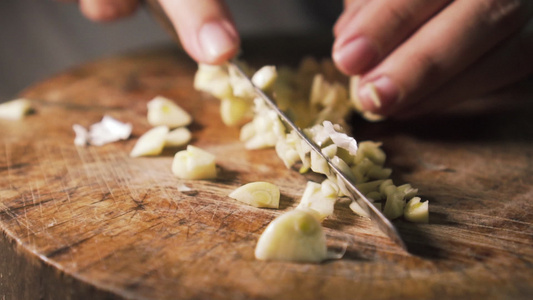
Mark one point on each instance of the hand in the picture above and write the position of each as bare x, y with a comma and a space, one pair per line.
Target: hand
205, 27
421, 55
106, 10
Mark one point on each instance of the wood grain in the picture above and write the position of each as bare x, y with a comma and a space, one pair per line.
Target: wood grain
93, 223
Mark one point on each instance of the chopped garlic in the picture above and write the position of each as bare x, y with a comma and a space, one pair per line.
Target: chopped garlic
258, 194
372, 151
416, 211
194, 163
358, 210
378, 172
319, 164
213, 80
354, 92
386, 187
343, 167
295, 236
178, 137
265, 129
234, 111
241, 86
287, 152
329, 188
374, 96
15, 109
356, 101
163, 111
394, 205
330, 151
310, 96
408, 190
340, 139
265, 77
318, 89
314, 198
151, 143
318, 135
368, 187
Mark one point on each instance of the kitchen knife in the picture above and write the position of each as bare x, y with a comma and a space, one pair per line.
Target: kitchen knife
353, 193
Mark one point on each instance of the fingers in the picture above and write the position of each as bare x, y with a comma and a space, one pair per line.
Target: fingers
107, 10
505, 65
205, 29
446, 45
368, 30
351, 8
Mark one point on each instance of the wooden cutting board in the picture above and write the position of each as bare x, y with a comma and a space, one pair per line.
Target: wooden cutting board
93, 223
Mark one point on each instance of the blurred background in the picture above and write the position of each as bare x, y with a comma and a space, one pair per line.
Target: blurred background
44, 37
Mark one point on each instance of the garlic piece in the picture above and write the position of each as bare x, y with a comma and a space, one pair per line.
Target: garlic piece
151, 143
416, 211
258, 194
295, 236
358, 210
15, 109
242, 87
394, 205
315, 198
234, 111
265, 77
194, 163
178, 137
340, 138
214, 80
163, 111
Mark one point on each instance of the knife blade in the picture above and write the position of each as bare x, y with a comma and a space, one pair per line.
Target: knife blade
354, 194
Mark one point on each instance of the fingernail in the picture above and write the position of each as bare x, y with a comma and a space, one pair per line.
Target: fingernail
355, 56
217, 39
380, 94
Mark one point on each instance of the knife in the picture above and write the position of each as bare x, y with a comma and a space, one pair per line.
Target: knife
353, 193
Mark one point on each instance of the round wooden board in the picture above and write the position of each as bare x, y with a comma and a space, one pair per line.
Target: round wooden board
93, 223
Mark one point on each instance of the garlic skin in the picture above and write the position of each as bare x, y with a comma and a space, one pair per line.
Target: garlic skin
295, 236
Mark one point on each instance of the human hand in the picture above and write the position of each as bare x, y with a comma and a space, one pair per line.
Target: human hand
423, 55
106, 10
205, 27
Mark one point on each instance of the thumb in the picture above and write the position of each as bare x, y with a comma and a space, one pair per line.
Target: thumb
205, 29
